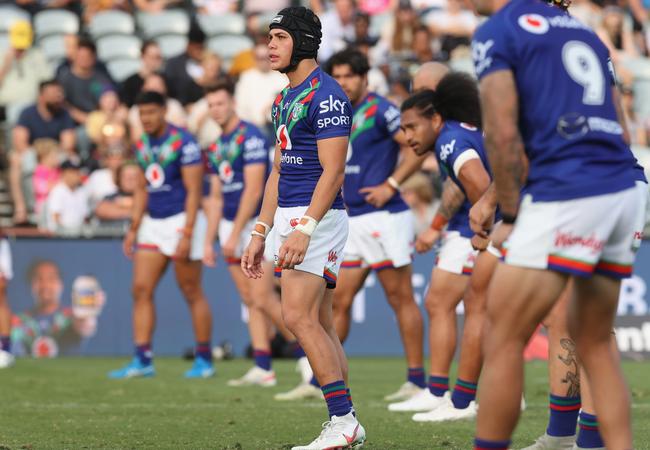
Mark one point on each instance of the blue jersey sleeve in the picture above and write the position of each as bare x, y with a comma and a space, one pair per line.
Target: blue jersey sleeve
388, 118
452, 149
493, 47
256, 149
330, 114
190, 152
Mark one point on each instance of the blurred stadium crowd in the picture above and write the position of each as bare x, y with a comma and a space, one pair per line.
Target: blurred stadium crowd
70, 71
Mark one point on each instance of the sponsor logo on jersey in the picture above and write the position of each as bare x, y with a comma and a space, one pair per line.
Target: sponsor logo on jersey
334, 121
284, 141
533, 23
226, 173
290, 159
446, 150
331, 104
480, 55
155, 175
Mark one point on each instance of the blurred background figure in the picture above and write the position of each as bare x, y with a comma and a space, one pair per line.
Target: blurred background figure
66, 208
115, 209
152, 62
419, 194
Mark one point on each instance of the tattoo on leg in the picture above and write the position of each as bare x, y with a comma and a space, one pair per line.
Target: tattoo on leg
572, 377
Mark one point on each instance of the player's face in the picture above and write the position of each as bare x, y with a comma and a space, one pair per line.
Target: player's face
418, 130
152, 117
47, 285
354, 85
280, 49
221, 106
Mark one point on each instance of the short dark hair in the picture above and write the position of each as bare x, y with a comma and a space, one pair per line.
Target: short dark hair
149, 97
354, 58
195, 33
455, 98
86, 43
46, 83
146, 44
222, 84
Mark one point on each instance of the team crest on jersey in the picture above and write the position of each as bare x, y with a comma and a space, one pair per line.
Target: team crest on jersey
225, 172
534, 23
155, 175
297, 112
283, 138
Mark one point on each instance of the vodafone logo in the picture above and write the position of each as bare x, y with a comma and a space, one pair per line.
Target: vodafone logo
225, 172
283, 138
534, 23
155, 175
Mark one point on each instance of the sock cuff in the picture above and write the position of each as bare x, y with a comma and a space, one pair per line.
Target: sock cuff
441, 382
415, 370
587, 421
334, 389
481, 444
261, 353
466, 386
559, 403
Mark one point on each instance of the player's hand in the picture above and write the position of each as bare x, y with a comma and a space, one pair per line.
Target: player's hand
128, 244
479, 242
183, 248
293, 251
209, 254
500, 234
481, 217
426, 240
379, 195
251, 259
229, 247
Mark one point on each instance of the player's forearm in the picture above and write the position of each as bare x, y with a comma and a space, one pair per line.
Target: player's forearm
192, 204
270, 201
139, 207
505, 151
250, 198
327, 188
112, 211
409, 164
212, 207
451, 201
621, 115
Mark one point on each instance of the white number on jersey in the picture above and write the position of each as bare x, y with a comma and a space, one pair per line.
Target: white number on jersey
583, 66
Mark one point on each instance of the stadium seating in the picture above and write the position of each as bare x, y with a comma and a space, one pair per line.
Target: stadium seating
121, 69
53, 46
118, 47
171, 44
55, 21
10, 14
111, 22
214, 25
229, 46
173, 21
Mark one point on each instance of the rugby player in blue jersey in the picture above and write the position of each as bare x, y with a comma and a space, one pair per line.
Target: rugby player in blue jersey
302, 201
382, 227
545, 93
166, 225
6, 273
447, 122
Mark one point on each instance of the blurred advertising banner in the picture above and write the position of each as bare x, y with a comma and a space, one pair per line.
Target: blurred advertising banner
72, 297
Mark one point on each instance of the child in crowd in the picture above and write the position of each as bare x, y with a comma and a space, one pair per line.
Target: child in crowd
46, 174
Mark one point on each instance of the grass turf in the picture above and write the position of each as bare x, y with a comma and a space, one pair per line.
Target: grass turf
69, 403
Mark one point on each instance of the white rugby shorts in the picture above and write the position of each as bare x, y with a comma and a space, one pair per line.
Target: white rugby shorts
6, 266
325, 252
380, 240
163, 235
580, 237
456, 254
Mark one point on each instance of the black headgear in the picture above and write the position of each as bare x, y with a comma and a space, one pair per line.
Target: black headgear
305, 30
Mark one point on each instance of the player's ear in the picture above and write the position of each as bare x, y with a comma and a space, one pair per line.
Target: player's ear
436, 121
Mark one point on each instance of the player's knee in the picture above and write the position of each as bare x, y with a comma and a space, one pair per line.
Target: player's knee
191, 291
297, 321
141, 291
436, 305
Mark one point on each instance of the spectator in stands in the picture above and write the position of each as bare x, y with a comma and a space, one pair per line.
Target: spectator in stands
636, 127
181, 71
83, 83
418, 193
71, 45
588, 12
264, 6
211, 72
362, 32
22, 69
374, 7
152, 62
616, 34
107, 125
214, 7
257, 88
155, 6
421, 46
116, 209
48, 118
101, 182
397, 35
338, 26
92, 7
35, 6
453, 26
175, 113
66, 207
46, 175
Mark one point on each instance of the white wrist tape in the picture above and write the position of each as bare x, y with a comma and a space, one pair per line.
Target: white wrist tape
392, 182
262, 228
307, 225
257, 233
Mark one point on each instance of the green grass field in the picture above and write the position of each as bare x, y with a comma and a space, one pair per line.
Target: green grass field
70, 404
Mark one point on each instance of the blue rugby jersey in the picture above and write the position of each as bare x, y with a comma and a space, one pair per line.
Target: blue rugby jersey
316, 109
229, 155
567, 117
454, 140
372, 154
161, 159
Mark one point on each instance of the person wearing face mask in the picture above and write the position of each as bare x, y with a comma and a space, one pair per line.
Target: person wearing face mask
47, 118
